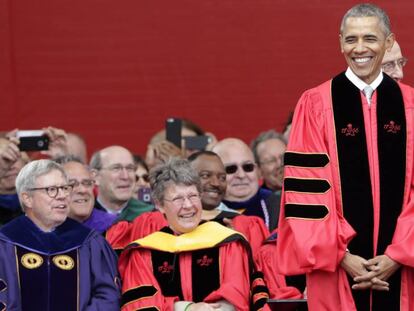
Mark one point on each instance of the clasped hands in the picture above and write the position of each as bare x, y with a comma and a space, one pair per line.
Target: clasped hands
369, 274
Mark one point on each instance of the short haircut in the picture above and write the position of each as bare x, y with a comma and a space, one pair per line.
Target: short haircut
96, 161
263, 136
68, 158
139, 161
174, 172
26, 179
194, 156
368, 10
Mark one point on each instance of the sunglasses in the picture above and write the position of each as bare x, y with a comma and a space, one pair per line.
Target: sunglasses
144, 177
232, 168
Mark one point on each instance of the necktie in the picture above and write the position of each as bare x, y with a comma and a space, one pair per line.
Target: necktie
368, 93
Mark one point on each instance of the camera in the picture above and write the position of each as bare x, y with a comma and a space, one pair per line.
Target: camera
33, 140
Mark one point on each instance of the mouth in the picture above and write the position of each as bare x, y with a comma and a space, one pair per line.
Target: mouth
80, 201
187, 216
60, 207
213, 192
362, 60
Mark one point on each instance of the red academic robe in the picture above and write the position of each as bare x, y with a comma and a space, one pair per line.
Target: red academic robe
317, 246
135, 265
123, 233
266, 262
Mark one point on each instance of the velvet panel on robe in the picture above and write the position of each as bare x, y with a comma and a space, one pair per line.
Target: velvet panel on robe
98, 280
316, 244
234, 278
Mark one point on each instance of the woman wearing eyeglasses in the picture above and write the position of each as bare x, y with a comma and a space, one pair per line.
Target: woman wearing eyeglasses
184, 266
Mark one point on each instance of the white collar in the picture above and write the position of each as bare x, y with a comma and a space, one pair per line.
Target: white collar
361, 84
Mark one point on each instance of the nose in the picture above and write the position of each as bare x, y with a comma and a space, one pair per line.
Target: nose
360, 47
240, 173
397, 74
124, 173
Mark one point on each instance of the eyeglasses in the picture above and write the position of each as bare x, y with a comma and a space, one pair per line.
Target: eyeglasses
118, 168
144, 177
179, 201
52, 191
87, 183
390, 66
232, 168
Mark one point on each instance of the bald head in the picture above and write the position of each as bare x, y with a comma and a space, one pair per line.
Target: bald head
114, 168
393, 62
77, 146
242, 175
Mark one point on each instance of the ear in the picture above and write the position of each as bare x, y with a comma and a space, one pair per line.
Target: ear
95, 175
389, 42
159, 206
27, 199
341, 44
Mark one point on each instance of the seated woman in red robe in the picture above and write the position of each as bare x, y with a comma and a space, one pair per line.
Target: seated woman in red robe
186, 265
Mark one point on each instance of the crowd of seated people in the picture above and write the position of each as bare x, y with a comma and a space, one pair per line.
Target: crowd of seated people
121, 197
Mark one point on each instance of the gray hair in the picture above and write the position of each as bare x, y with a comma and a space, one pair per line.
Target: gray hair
263, 136
368, 10
96, 161
68, 158
29, 174
174, 172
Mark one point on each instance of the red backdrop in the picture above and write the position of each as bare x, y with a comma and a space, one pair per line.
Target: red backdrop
114, 70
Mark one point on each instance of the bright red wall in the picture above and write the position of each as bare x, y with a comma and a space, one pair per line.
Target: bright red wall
114, 70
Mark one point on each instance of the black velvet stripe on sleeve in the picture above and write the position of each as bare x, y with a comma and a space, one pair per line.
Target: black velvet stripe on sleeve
306, 185
305, 159
306, 211
137, 293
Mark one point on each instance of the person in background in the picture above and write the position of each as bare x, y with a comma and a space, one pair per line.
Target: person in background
393, 62
82, 200
142, 180
48, 259
114, 171
243, 192
268, 150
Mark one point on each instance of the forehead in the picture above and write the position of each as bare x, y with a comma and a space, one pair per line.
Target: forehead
393, 55
54, 177
180, 189
208, 163
271, 146
76, 170
116, 155
236, 153
362, 26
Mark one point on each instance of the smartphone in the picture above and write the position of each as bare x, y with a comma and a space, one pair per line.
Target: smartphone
196, 142
33, 140
144, 195
173, 131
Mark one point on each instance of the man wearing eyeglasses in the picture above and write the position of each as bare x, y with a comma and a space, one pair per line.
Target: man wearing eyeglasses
393, 62
114, 171
82, 200
243, 192
49, 261
347, 209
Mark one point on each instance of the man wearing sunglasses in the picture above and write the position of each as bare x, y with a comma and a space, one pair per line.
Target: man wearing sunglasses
82, 200
243, 192
114, 171
393, 62
49, 261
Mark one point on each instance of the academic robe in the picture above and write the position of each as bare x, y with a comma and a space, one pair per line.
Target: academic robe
70, 268
266, 262
200, 266
123, 232
315, 218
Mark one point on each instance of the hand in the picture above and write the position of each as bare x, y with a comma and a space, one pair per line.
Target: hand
160, 153
381, 267
9, 154
203, 306
57, 142
357, 268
